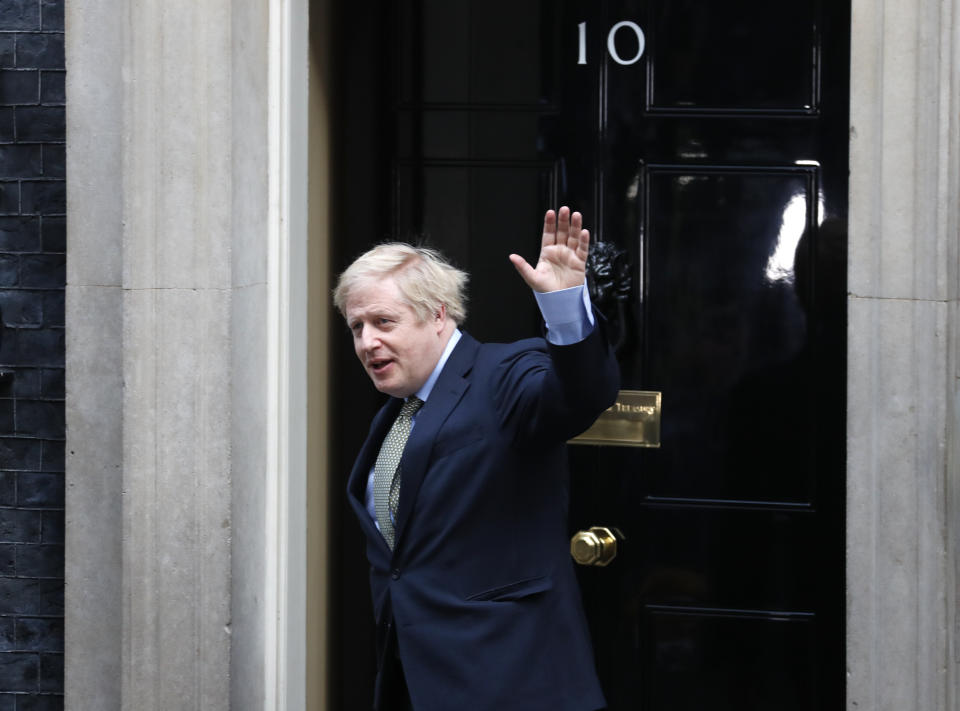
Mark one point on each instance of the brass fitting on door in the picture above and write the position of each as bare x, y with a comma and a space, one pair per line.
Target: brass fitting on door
596, 546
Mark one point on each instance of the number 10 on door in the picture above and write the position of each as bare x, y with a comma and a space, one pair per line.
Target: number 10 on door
611, 42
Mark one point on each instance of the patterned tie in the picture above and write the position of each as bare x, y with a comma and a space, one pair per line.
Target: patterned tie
386, 472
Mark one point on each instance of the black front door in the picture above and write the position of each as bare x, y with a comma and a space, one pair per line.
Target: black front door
707, 141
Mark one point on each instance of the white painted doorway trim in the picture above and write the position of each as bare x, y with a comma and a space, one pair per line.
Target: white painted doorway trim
286, 514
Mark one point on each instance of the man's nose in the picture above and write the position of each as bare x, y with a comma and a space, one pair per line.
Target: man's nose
368, 338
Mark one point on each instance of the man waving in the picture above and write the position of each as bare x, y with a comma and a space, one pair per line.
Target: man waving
461, 486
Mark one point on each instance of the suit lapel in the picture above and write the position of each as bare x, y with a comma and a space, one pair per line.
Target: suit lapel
357, 483
449, 389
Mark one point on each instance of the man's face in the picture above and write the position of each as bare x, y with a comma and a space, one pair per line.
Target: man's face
397, 350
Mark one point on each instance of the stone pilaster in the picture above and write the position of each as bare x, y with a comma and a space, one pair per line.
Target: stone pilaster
166, 354
902, 492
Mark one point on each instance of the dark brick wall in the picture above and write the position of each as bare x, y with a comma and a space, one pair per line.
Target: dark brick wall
32, 279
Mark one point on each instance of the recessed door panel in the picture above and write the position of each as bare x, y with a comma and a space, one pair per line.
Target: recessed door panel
739, 55
756, 661
722, 317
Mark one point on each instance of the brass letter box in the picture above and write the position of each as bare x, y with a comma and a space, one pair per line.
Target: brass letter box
633, 421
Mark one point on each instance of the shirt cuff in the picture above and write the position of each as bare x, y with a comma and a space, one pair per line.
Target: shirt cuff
567, 313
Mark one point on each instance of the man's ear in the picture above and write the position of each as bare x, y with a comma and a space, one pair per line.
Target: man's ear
440, 317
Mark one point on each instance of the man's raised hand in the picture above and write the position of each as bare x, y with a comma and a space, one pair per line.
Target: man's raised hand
563, 253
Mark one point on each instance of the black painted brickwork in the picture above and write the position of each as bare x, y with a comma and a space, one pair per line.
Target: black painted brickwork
32, 279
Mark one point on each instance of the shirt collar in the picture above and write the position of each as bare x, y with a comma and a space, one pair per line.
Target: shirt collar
424, 392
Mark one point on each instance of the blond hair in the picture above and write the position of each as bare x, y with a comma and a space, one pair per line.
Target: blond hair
425, 279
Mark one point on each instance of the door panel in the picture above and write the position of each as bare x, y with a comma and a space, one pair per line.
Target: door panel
696, 657
738, 55
716, 321
717, 162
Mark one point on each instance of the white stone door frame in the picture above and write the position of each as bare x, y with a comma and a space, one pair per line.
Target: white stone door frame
287, 347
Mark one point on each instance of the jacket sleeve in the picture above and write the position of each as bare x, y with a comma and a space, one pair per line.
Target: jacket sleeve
550, 392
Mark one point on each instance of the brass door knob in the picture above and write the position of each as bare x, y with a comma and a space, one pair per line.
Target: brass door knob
596, 546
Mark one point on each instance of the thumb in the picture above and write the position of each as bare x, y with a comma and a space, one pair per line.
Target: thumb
526, 272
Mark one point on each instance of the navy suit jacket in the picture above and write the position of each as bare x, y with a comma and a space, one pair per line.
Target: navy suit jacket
480, 586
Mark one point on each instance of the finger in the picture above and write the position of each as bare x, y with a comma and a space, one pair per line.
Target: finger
576, 226
527, 273
563, 225
583, 247
549, 229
